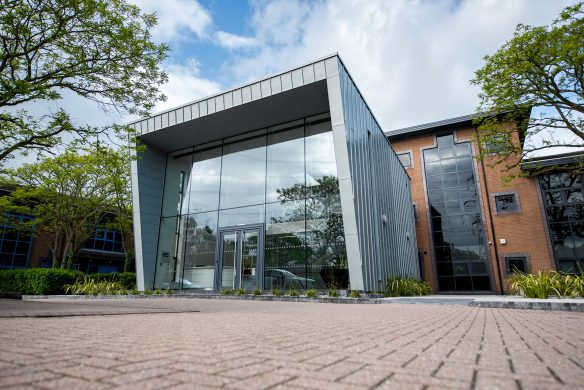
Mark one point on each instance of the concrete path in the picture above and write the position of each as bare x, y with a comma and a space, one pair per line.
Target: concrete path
239, 344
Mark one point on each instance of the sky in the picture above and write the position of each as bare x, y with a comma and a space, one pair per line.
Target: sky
411, 59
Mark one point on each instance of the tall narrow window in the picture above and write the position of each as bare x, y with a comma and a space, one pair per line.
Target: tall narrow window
456, 219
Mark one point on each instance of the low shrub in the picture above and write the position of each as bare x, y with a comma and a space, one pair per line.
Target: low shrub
240, 291
292, 292
311, 293
88, 286
127, 279
397, 286
147, 292
256, 291
277, 292
333, 293
169, 291
355, 294
227, 291
157, 291
37, 281
544, 283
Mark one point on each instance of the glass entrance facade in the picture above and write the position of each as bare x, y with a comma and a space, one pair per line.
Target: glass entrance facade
282, 178
459, 245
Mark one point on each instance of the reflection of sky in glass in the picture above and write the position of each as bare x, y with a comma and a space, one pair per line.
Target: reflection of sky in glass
320, 156
243, 176
204, 181
285, 162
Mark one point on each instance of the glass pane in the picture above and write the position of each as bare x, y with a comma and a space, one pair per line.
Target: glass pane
178, 169
249, 259
285, 259
241, 216
243, 175
166, 262
228, 256
204, 181
201, 241
285, 164
321, 167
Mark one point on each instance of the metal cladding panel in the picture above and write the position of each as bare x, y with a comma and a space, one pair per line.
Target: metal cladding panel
147, 184
382, 194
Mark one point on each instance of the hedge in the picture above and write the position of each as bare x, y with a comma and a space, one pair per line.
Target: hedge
127, 279
37, 281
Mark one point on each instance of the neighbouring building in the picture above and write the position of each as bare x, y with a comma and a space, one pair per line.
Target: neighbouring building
286, 182
23, 246
473, 228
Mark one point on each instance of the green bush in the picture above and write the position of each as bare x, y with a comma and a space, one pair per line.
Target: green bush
127, 279
292, 292
227, 291
397, 286
355, 294
277, 292
88, 286
542, 284
240, 291
333, 293
37, 281
311, 293
256, 291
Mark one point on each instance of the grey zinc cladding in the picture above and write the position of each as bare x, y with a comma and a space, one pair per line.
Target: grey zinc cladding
375, 191
381, 193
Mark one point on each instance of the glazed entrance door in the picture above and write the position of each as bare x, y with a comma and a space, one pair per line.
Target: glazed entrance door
240, 258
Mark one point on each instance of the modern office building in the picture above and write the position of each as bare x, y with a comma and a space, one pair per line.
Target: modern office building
473, 228
286, 182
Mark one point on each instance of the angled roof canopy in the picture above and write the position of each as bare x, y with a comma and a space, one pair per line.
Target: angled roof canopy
286, 96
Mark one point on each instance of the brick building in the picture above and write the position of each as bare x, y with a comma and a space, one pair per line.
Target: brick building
473, 228
25, 247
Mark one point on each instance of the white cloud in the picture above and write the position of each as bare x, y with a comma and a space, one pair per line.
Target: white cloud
177, 19
232, 41
412, 60
186, 84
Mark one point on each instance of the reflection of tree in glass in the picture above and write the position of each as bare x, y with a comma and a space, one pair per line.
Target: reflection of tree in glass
325, 235
200, 243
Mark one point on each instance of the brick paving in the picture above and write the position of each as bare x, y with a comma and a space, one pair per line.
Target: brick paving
258, 345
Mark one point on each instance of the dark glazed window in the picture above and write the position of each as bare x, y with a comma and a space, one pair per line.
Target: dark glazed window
506, 203
564, 206
516, 264
457, 231
15, 241
105, 240
405, 159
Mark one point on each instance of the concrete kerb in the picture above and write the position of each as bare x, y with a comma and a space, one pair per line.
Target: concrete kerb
506, 302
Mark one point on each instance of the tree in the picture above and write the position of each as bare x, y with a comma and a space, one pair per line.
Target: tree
100, 50
70, 195
540, 68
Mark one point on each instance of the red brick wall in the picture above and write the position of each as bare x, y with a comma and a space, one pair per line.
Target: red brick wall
524, 232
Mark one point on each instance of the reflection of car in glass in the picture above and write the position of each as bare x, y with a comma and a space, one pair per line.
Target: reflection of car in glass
279, 278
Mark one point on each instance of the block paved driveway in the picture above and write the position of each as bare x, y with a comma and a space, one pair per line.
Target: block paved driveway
166, 343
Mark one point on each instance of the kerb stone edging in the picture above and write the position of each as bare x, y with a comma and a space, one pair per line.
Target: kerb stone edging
507, 302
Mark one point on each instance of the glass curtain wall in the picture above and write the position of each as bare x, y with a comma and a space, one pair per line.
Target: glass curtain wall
284, 178
564, 206
459, 245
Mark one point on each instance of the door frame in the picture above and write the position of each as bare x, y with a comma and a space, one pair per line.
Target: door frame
238, 230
